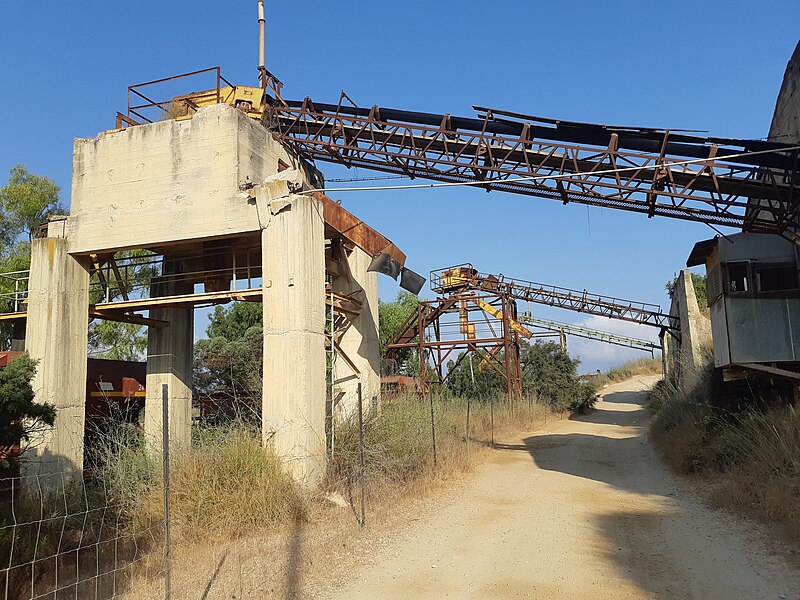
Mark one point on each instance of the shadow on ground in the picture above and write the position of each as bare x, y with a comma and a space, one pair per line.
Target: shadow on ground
613, 448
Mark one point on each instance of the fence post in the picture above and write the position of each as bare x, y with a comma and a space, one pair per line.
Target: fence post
433, 427
466, 432
165, 456
361, 451
491, 412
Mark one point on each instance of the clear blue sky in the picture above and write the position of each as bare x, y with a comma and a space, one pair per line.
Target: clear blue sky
714, 66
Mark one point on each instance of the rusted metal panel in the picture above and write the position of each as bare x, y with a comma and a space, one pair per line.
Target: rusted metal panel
355, 230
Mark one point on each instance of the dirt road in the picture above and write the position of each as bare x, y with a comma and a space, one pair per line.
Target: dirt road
582, 509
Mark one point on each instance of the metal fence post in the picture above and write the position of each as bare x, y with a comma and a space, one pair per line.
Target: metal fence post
433, 427
361, 451
491, 412
466, 428
165, 456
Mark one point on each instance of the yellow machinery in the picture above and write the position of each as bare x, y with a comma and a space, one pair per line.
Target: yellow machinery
498, 314
246, 98
464, 326
457, 277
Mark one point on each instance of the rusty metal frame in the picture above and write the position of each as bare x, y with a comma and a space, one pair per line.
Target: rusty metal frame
135, 94
423, 331
562, 329
576, 300
502, 151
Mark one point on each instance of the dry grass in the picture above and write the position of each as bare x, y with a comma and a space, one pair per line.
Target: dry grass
751, 456
401, 480
640, 366
399, 443
225, 486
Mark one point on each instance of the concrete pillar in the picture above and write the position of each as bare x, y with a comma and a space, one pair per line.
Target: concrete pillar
57, 336
360, 342
293, 403
169, 361
690, 355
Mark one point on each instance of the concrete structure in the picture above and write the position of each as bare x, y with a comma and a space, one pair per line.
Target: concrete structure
687, 355
358, 340
170, 353
57, 336
785, 126
217, 201
293, 404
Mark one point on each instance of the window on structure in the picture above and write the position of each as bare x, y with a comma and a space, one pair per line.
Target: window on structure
738, 277
775, 277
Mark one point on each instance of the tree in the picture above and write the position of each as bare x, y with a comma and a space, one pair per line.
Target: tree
699, 283
228, 366
117, 341
26, 201
234, 322
474, 377
391, 316
21, 419
550, 373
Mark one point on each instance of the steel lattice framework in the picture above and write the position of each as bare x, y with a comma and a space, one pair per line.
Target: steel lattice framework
590, 334
553, 295
748, 184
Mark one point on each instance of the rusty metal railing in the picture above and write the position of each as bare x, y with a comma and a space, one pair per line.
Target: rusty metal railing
136, 93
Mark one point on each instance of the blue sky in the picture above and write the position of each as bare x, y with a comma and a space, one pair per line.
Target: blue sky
713, 66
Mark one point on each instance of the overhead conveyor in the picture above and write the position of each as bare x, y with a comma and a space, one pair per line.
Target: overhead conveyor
748, 184
589, 333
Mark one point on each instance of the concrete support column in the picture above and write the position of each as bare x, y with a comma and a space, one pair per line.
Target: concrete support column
695, 339
57, 336
360, 342
293, 403
169, 361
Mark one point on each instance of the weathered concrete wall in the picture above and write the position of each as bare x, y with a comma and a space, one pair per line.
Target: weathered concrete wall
361, 341
57, 336
689, 354
169, 181
785, 126
293, 409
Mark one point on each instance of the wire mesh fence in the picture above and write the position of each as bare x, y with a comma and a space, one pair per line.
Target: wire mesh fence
106, 532
64, 534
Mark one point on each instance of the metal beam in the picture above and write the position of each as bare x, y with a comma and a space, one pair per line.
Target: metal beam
663, 173
355, 230
590, 334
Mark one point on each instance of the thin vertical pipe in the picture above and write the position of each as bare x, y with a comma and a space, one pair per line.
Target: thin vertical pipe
261, 35
333, 376
433, 427
466, 432
361, 451
165, 455
491, 413
233, 263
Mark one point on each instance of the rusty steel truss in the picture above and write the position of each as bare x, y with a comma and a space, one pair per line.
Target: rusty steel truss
435, 338
560, 297
462, 290
717, 181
